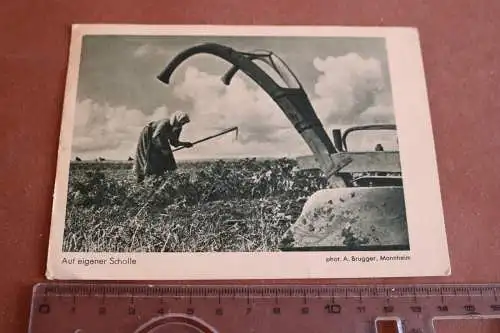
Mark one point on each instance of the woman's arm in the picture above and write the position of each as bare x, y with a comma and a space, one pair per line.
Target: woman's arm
174, 141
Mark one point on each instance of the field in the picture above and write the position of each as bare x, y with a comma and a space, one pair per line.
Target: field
243, 205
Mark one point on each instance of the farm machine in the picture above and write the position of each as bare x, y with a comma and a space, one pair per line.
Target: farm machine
363, 207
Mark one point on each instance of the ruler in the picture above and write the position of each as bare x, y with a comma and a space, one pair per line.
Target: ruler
135, 308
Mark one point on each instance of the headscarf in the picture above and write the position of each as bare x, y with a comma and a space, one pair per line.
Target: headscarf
177, 117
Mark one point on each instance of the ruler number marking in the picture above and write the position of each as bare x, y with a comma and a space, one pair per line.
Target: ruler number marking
102, 310
44, 309
131, 310
470, 308
333, 308
416, 309
388, 308
442, 308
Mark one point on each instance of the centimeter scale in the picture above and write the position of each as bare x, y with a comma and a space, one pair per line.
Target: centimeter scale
134, 308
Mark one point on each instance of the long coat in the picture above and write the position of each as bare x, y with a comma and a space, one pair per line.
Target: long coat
154, 155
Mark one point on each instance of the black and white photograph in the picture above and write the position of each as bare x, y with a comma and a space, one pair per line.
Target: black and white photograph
219, 142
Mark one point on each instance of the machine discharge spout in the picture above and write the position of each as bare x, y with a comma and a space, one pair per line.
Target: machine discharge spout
291, 98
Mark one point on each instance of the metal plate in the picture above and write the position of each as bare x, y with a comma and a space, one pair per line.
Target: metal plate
89, 308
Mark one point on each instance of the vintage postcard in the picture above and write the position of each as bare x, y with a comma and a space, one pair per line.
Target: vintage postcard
243, 152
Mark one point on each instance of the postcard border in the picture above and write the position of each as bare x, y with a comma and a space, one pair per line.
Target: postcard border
429, 247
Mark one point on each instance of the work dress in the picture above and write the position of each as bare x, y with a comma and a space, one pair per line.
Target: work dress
154, 154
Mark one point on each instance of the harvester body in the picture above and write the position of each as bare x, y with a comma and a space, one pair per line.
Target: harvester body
368, 213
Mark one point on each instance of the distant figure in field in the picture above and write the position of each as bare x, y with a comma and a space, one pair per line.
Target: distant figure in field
379, 147
78, 159
154, 155
130, 158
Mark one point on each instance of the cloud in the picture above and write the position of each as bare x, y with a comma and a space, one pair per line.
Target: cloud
347, 88
377, 114
112, 133
149, 50
108, 131
216, 106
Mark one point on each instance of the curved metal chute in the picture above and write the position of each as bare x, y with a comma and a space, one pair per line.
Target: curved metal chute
292, 101
273, 61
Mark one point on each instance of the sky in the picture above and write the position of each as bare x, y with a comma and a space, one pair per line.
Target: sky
346, 79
